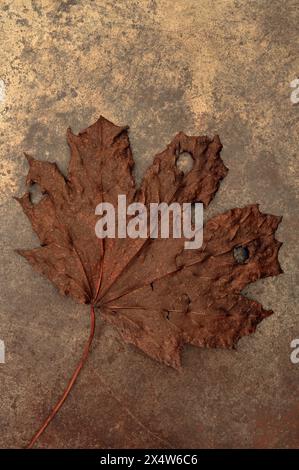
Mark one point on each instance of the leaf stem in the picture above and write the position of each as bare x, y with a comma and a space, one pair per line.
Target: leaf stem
70, 384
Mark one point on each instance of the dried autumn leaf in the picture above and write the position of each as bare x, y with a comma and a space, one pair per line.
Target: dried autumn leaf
157, 294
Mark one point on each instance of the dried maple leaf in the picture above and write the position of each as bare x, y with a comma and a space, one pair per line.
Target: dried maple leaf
157, 294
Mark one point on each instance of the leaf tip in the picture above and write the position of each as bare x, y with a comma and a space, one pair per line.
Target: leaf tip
28, 157
19, 251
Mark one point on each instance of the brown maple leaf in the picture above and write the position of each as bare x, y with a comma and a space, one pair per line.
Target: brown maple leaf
157, 294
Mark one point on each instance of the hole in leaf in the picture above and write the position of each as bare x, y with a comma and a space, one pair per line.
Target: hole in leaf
241, 254
184, 162
35, 193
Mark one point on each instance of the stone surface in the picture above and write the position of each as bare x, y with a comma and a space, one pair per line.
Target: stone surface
202, 67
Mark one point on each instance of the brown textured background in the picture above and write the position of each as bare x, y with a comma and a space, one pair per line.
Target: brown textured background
160, 66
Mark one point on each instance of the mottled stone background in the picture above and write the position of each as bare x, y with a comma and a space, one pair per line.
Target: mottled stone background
159, 66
